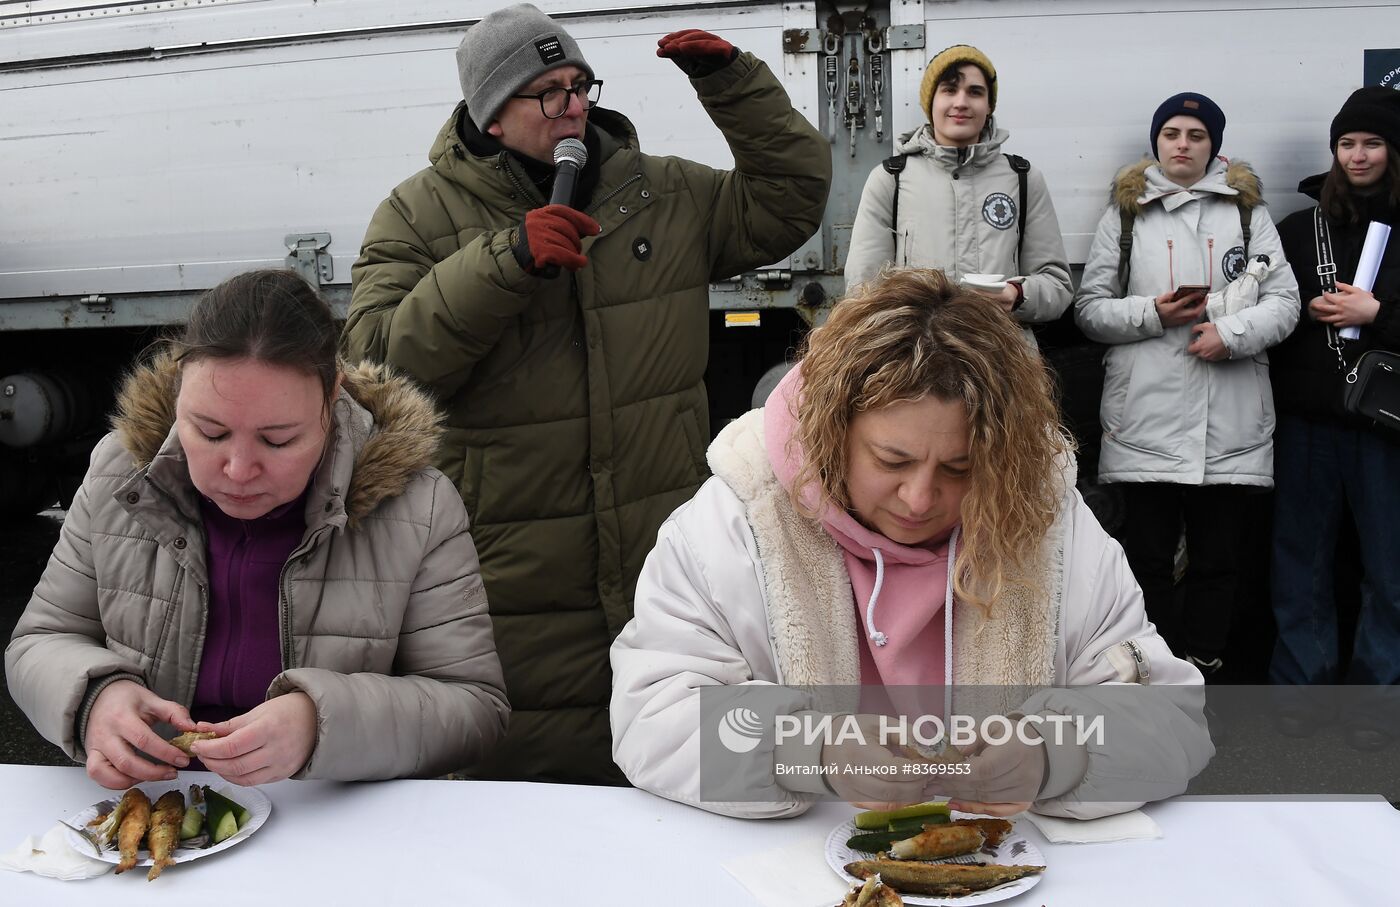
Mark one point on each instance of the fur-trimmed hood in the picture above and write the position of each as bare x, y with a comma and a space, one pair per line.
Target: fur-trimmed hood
387, 426
1142, 183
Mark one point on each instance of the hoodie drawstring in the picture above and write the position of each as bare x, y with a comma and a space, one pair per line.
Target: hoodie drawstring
948, 629
875, 635
880, 639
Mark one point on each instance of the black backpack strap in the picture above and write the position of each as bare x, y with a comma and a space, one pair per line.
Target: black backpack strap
1244, 226
1022, 167
895, 166
1125, 247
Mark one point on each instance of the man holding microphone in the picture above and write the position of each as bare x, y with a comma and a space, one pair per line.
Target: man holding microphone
567, 342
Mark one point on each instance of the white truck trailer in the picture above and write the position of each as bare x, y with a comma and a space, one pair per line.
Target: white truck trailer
149, 150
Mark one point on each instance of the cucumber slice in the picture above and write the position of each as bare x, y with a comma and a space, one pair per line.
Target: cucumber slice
915, 824
241, 813
222, 823
193, 824
876, 819
876, 841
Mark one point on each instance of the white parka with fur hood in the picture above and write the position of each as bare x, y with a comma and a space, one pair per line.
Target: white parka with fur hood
382, 607
958, 213
741, 589
1169, 416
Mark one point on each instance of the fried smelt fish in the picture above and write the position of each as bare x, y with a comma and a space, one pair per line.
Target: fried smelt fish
136, 818
872, 893
938, 841
994, 830
164, 834
182, 742
945, 879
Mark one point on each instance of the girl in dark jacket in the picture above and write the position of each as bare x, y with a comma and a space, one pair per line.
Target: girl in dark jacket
1325, 458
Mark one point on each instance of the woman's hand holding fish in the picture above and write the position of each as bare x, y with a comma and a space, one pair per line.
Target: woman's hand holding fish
868, 775
120, 724
270, 743
1004, 778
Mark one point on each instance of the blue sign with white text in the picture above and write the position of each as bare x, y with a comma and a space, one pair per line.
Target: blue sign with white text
1382, 67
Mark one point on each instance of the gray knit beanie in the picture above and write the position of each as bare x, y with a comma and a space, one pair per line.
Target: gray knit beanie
507, 50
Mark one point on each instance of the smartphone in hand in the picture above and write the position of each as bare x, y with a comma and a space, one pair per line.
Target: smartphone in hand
1187, 290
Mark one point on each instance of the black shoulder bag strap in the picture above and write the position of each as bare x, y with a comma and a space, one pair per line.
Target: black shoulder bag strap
895, 166
1244, 227
1326, 264
1022, 167
1327, 279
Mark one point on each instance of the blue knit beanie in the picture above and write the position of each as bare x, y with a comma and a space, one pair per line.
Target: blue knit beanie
1190, 104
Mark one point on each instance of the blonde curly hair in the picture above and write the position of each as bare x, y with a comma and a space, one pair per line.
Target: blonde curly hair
911, 333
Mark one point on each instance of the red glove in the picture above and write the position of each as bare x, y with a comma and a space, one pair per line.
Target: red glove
552, 236
696, 52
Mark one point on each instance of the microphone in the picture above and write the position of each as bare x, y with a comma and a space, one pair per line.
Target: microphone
569, 157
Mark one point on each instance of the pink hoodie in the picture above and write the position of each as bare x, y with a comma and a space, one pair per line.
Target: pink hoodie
909, 609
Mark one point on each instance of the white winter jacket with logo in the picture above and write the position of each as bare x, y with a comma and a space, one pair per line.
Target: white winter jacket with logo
958, 213
1169, 416
742, 589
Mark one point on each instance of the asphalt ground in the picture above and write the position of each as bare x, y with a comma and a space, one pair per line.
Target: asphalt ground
24, 550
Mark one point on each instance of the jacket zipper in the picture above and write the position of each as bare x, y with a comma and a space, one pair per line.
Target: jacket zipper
528, 194
599, 203
284, 598
199, 655
1144, 671
228, 666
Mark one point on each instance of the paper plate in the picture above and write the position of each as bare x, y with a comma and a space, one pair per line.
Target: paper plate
250, 798
1014, 850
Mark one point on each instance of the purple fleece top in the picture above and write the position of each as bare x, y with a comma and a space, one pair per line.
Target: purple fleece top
242, 648
909, 609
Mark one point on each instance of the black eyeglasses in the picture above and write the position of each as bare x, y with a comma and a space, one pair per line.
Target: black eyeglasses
554, 102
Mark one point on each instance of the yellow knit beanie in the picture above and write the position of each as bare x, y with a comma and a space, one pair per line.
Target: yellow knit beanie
949, 58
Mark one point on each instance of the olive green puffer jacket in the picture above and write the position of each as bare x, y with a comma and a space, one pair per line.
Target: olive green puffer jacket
576, 410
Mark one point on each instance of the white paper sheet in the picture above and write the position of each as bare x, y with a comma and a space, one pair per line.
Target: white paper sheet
795, 875
1122, 827
1376, 237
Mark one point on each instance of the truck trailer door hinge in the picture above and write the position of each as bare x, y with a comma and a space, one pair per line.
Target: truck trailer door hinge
904, 37
309, 257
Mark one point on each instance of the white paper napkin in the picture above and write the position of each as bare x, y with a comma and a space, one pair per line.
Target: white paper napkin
1122, 827
52, 856
795, 875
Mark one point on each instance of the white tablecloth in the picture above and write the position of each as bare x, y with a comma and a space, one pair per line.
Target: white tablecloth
471, 843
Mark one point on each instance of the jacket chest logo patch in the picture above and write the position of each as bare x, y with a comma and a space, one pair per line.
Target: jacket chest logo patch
550, 50
999, 210
1232, 262
641, 248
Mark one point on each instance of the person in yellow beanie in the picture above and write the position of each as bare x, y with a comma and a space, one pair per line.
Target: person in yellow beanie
950, 199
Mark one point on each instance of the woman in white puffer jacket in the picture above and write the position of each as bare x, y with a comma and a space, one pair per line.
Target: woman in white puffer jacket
918, 432
1187, 411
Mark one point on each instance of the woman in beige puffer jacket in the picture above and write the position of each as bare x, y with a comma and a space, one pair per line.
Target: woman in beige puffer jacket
380, 607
